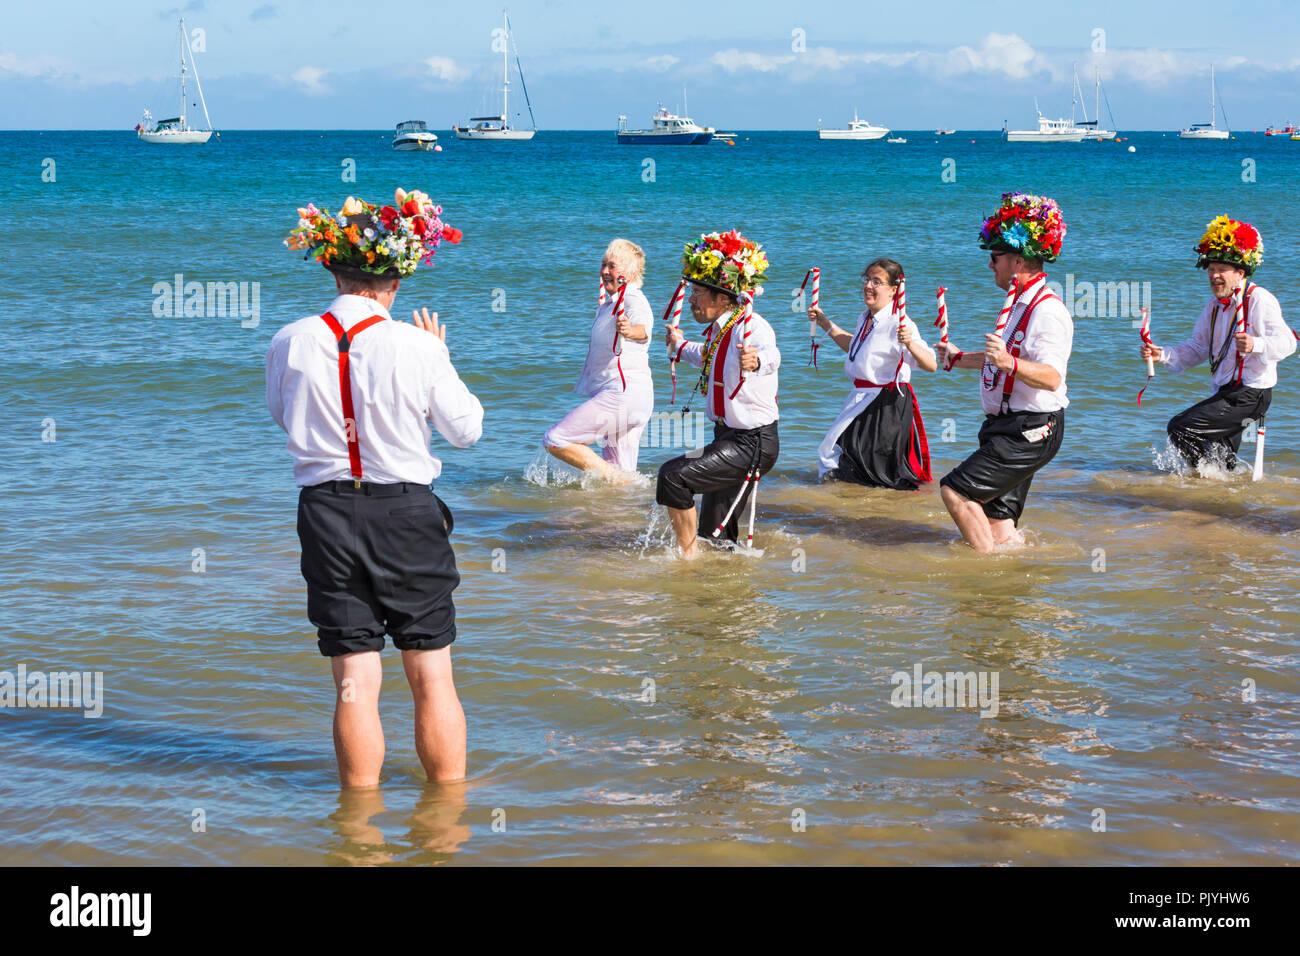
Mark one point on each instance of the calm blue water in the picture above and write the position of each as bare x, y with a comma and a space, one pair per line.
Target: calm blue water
1121, 688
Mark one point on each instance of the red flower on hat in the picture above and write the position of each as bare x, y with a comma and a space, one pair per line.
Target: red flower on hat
451, 234
731, 244
387, 215
1247, 237
420, 227
410, 208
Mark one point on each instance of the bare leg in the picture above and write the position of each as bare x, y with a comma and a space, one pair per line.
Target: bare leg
684, 526
584, 459
970, 520
358, 734
1004, 531
439, 719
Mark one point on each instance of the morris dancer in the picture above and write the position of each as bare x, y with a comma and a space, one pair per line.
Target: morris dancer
1023, 379
1243, 336
616, 375
356, 392
739, 361
879, 438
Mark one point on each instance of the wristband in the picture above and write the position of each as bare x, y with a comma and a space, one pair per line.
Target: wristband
953, 358
678, 356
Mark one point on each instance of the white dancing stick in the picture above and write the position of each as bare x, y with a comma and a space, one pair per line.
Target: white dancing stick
1146, 337
673, 315
942, 320
753, 506
619, 312
1259, 452
601, 300
1005, 314
747, 300
718, 530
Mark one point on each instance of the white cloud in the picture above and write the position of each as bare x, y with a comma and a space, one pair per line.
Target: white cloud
734, 60
444, 68
311, 78
1004, 53
36, 66
657, 64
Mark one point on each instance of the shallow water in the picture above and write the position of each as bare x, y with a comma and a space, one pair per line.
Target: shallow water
625, 707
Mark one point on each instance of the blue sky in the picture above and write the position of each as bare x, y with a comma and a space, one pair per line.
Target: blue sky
327, 64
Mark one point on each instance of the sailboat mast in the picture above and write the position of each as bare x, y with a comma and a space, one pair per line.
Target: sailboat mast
183, 97
1096, 99
505, 71
1211, 96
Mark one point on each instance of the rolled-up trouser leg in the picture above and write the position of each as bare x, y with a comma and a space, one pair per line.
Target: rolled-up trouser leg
718, 472
1218, 423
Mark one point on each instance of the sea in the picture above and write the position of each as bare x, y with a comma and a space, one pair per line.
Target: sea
1134, 689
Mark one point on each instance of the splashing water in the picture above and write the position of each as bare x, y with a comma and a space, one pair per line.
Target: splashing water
1218, 465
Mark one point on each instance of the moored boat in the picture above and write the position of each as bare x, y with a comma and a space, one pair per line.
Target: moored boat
176, 129
413, 135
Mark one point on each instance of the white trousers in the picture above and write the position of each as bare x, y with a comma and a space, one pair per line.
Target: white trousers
613, 419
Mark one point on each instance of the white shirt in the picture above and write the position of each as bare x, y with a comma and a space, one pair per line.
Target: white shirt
601, 371
755, 404
875, 358
402, 380
1048, 340
1271, 342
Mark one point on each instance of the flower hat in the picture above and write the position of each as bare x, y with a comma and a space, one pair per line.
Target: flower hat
363, 239
1030, 226
1230, 241
727, 262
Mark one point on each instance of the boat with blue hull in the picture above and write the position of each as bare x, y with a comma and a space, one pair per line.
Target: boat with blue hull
667, 129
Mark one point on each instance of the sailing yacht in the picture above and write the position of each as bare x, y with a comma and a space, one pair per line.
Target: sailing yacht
498, 127
1206, 130
1091, 127
177, 129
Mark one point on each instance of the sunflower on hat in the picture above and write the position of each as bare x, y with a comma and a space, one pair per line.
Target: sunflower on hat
725, 261
387, 241
1230, 241
1031, 226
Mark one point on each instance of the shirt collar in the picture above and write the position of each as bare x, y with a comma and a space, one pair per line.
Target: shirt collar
1032, 287
349, 309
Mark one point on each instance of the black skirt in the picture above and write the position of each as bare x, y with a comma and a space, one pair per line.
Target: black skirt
885, 446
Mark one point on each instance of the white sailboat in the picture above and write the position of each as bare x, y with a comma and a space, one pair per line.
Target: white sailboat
858, 129
498, 127
1206, 130
177, 129
1092, 127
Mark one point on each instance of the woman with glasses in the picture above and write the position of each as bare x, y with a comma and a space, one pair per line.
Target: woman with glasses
878, 438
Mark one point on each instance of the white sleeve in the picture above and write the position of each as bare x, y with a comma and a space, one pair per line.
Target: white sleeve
908, 357
1195, 350
640, 313
1050, 338
692, 353
276, 358
453, 408
1274, 340
769, 356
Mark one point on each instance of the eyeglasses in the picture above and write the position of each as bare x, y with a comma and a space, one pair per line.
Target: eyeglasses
872, 280
993, 256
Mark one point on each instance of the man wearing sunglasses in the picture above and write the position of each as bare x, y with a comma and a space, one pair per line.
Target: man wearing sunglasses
1022, 380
